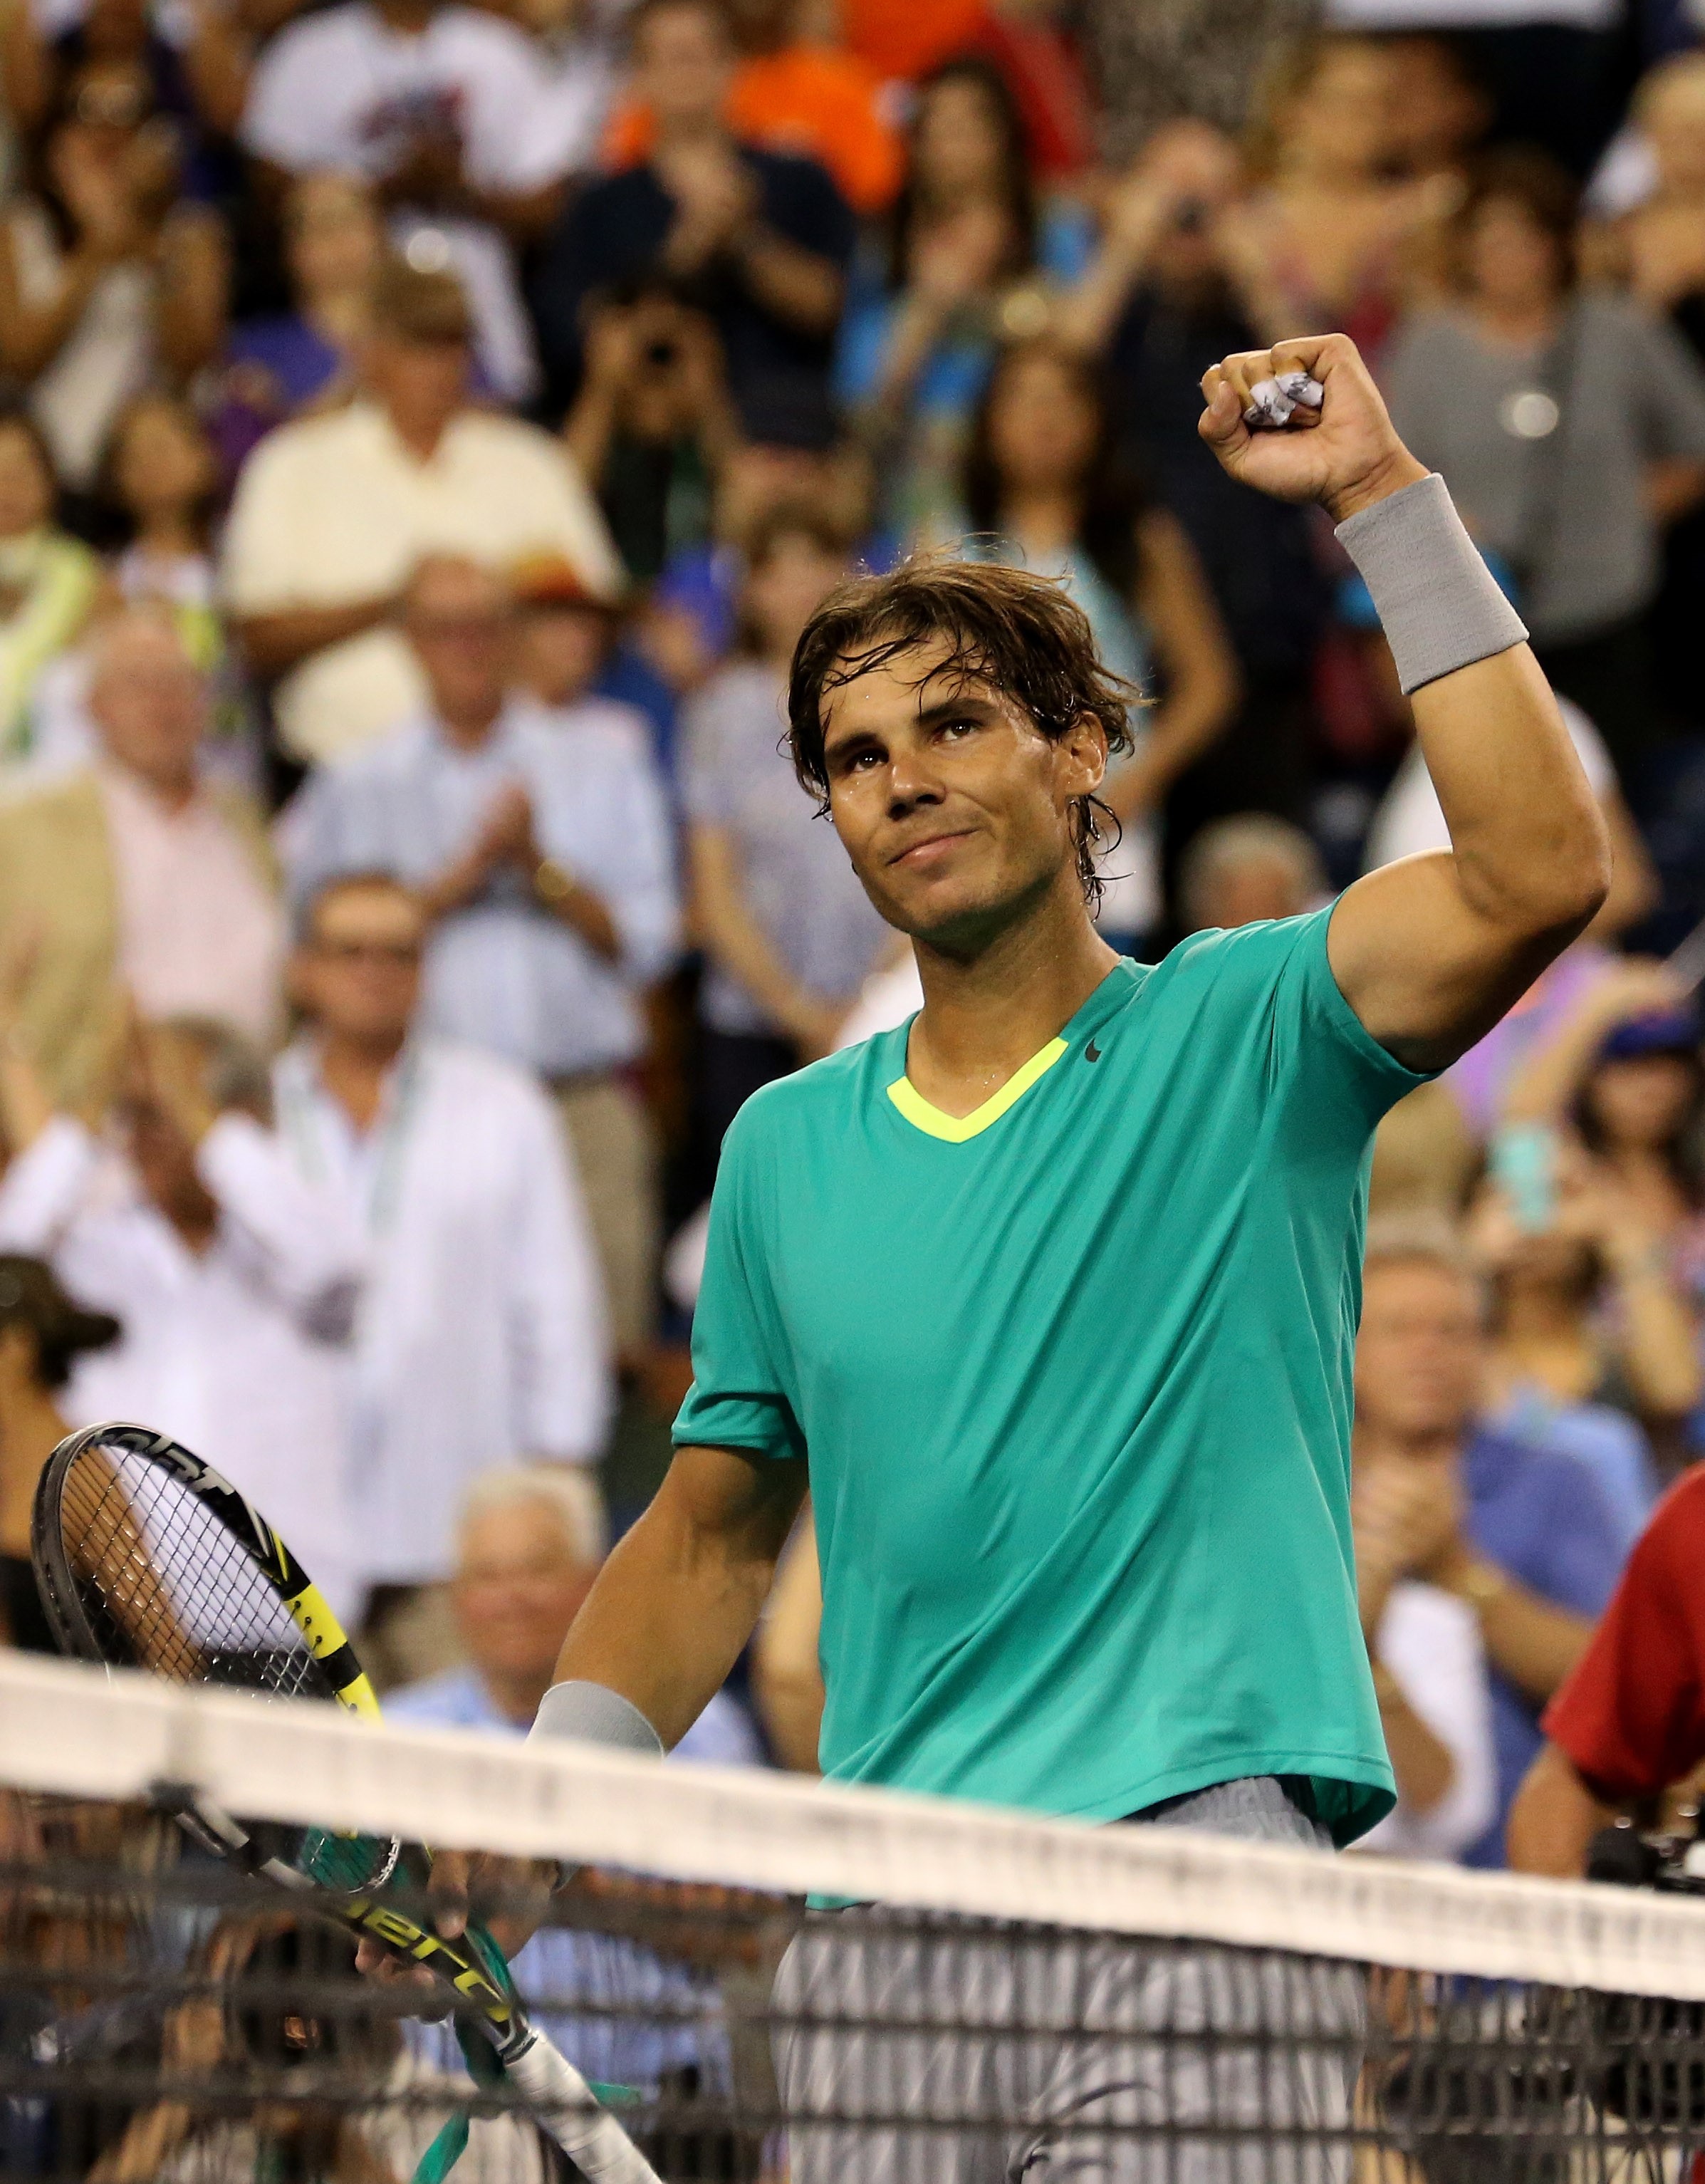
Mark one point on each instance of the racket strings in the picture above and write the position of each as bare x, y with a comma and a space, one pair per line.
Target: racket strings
165, 1584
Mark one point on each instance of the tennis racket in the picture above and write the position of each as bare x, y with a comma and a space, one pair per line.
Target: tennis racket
147, 1558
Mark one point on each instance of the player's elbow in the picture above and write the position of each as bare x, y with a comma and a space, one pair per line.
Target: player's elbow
1549, 890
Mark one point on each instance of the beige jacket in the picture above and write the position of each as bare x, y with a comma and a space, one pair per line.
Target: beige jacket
58, 886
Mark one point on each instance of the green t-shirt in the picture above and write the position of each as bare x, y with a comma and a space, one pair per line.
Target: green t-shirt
1073, 1377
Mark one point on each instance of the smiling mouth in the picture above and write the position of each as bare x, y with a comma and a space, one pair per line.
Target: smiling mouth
922, 852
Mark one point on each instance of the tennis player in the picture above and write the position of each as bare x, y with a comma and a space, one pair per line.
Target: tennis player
1053, 1291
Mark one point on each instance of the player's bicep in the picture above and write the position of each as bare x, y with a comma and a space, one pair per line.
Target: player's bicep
1427, 973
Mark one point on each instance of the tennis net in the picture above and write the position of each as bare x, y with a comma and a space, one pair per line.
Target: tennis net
991, 1997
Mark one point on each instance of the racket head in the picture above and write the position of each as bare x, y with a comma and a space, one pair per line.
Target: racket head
146, 1558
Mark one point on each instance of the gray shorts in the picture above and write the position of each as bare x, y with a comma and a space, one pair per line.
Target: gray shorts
949, 2051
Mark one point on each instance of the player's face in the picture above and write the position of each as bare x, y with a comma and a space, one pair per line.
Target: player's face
953, 805
1420, 1355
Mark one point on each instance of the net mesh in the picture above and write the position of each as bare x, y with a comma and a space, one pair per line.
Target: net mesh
150, 1576
1003, 1998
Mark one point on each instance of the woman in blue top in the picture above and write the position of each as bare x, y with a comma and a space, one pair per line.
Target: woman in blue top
1044, 486
969, 255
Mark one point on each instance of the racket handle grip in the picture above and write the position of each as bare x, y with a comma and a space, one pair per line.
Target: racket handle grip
566, 2108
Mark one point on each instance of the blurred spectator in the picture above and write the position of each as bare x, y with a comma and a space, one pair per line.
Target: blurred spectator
481, 1330
969, 255
42, 1333
1628, 1725
193, 60
332, 513
334, 242
1621, 1071
1321, 240
787, 934
530, 1543
1658, 246
136, 873
233, 1283
1439, 111
1658, 249
1588, 1335
1239, 871
1044, 487
652, 426
447, 111
541, 845
1203, 59
691, 621
530, 1540
157, 494
792, 93
1429, 1663
343, 2097
564, 635
1519, 1539
1570, 429
48, 582
1161, 301
758, 239
107, 281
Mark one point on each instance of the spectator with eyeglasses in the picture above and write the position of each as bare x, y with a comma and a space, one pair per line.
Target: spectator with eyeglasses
482, 1332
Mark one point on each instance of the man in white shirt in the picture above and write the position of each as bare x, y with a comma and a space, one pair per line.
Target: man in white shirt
233, 1281
450, 112
138, 873
541, 846
482, 1335
332, 513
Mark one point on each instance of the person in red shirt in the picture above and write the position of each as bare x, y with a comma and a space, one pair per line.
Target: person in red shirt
1630, 1721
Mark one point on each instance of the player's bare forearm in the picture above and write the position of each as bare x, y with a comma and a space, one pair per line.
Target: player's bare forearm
681, 1595
1430, 952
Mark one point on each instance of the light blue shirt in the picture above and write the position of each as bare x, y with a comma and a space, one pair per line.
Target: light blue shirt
504, 973
619, 2012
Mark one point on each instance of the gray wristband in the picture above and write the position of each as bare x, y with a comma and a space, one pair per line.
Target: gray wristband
593, 1714
1436, 599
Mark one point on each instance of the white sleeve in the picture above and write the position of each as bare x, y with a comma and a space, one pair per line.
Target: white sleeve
299, 1242
53, 1206
284, 120
1430, 1641
558, 1328
44, 1189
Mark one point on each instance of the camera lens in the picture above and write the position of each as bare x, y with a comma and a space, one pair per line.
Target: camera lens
660, 354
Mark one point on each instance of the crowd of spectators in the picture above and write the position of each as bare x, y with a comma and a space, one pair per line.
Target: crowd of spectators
428, 426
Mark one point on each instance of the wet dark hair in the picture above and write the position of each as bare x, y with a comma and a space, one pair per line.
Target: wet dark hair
1004, 626
1017, 183
1110, 499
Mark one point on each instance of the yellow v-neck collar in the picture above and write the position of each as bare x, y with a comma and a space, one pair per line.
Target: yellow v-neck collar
955, 1129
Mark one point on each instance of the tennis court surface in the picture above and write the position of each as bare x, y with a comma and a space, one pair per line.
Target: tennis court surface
994, 1998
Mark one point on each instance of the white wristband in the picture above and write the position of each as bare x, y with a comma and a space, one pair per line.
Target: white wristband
1437, 601
593, 1714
